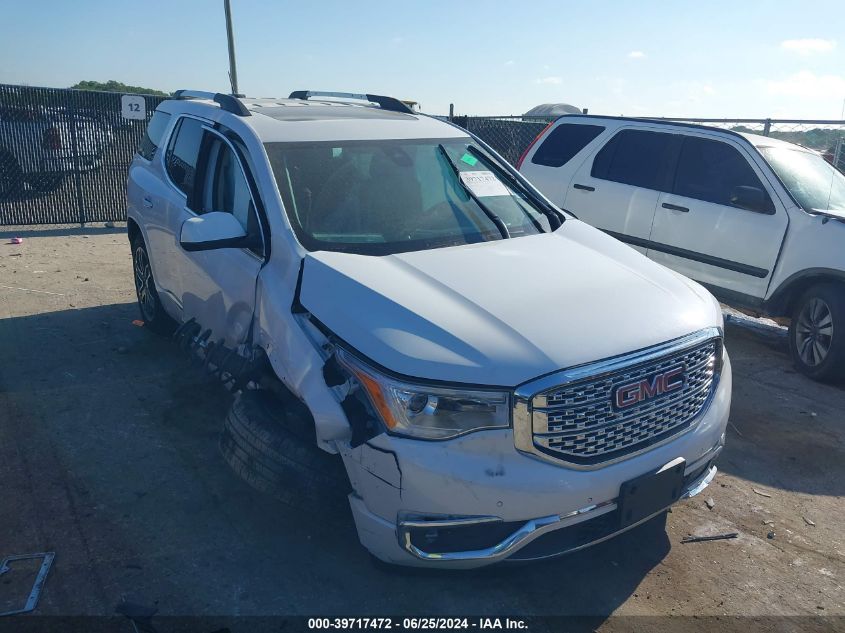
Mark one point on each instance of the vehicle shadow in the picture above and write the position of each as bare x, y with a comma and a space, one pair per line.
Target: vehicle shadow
786, 431
143, 507
7, 234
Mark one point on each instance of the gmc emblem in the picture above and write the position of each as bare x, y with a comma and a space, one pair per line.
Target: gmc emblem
650, 387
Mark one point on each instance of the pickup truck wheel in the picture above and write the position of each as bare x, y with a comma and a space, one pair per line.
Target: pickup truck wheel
10, 176
155, 318
45, 183
817, 333
272, 446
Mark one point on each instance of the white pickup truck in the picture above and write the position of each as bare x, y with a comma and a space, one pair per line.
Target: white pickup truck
499, 380
38, 148
758, 221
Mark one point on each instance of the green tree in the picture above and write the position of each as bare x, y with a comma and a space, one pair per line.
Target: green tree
116, 86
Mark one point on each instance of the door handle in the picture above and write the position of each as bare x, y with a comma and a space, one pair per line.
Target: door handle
148, 203
674, 207
583, 187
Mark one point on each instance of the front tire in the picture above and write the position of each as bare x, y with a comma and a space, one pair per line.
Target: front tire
152, 312
271, 444
817, 332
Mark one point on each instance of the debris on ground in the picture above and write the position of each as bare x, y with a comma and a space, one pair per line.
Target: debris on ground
761, 493
138, 323
770, 535
768, 522
809, 521
16, 240
715, 537
710, 503
46, 559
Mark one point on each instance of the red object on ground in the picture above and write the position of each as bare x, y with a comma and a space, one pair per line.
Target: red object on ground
16, 240
138, 323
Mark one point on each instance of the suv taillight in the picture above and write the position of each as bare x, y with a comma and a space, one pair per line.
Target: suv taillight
531, 144
52, 139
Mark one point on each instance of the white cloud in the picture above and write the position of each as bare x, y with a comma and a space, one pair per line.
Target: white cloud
550, 80
808, 46
636, 55
809, 85
509, 63
398, 39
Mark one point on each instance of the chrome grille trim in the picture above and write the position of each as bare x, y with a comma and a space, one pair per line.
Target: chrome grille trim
568, 418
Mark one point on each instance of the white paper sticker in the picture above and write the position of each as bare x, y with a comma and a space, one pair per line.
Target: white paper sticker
133, 107
484, 184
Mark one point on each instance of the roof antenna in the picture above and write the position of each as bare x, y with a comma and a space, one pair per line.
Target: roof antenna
233, 71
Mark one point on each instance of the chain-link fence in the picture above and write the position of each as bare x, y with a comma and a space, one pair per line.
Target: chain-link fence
511, 135
508, 135
64, 154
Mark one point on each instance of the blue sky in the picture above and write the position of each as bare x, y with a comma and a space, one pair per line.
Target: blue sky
708, 59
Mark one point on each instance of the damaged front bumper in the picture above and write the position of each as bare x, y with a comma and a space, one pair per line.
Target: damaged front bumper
578, 529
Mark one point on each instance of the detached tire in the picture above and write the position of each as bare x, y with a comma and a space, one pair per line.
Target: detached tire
817, 332
271, 444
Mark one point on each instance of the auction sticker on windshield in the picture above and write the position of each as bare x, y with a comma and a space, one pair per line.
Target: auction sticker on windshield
484, 184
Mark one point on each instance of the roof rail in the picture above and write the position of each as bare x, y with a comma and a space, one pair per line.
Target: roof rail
385, 103
229, 103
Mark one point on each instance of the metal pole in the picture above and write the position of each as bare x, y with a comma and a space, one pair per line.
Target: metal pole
233, 71
451, 111
74, 144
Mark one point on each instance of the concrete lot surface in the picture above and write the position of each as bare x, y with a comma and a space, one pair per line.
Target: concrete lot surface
109, 458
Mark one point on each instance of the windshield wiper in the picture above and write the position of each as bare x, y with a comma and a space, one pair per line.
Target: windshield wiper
495, 219
555, 219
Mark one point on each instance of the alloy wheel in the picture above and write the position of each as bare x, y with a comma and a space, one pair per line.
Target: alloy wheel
143, 284
814, 332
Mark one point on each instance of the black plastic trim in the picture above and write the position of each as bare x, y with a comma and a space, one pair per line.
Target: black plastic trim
776, 303
727, 264
391, 104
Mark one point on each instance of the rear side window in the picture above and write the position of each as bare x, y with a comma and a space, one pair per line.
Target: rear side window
563, 142
153, 135
635, 157
182, 153
710, 170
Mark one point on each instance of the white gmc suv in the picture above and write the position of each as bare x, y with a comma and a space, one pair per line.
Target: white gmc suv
758, 221
500, 380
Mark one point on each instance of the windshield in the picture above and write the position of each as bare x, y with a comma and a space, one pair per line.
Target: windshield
382, 197
814, 183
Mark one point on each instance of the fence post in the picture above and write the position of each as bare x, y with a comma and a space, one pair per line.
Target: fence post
767, 127
451, 111
77, 171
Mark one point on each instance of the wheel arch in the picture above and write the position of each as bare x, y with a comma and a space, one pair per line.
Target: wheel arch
782, 301
133, 229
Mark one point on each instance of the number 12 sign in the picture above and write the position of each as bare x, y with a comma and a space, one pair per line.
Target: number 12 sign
133, 107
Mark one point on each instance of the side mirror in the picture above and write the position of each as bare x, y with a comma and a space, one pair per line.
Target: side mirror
216, 229
751, 199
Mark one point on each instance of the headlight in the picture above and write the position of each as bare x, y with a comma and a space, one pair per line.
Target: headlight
427, 412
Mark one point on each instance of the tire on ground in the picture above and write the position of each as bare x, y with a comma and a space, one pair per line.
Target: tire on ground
832, 368
271, 444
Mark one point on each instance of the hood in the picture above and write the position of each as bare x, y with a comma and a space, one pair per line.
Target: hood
504, 312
